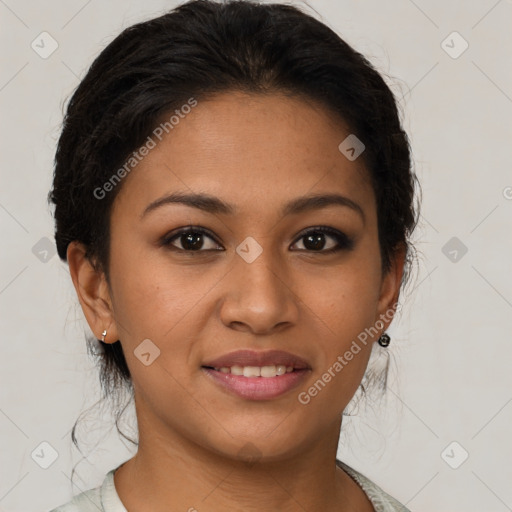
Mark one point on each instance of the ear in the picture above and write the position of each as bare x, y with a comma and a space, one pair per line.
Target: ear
93, 293
390, 288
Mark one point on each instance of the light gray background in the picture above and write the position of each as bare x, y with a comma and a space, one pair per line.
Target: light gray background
451, 346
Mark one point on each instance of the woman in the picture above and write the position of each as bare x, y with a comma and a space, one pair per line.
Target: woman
234, 197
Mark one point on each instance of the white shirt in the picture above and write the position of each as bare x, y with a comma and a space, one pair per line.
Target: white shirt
105, 498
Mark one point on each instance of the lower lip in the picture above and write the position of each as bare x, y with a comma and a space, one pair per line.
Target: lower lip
257, 388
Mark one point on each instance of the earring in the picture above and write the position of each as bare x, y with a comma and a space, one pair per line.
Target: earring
103, 334
384, 340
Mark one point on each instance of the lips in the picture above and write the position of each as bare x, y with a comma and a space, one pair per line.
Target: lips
255, 358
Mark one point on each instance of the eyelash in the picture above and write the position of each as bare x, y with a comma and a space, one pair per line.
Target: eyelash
343, 241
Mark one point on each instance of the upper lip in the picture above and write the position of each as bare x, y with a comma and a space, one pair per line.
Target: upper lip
254, 358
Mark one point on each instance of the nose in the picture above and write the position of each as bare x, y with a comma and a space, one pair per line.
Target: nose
258, 296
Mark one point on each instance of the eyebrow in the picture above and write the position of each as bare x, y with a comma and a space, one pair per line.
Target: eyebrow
214, 205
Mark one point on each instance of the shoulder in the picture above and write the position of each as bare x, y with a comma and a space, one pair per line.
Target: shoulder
88, 501
100, 499
381, 501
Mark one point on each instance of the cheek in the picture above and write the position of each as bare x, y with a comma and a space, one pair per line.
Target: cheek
343, 308
150, 294
343, 349
151, 304
345, 297
156, 300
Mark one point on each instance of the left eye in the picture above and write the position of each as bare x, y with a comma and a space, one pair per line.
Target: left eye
314, 240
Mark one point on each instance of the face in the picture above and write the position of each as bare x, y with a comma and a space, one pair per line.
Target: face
263, 268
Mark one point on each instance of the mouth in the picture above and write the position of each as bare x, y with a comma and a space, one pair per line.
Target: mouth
268, 359
257, 375
255, 371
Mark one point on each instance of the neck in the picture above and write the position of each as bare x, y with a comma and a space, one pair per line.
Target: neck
170, 469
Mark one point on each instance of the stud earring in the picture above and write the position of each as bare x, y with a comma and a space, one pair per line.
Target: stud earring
384, 340
103, 334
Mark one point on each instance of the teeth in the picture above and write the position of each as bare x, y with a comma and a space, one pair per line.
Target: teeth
237, 370
256, 371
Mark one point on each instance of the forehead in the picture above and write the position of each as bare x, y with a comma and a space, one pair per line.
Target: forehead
251, 150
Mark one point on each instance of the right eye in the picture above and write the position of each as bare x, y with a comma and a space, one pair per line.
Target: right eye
191, 239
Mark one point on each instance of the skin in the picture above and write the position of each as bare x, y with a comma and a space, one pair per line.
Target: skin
255, 153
